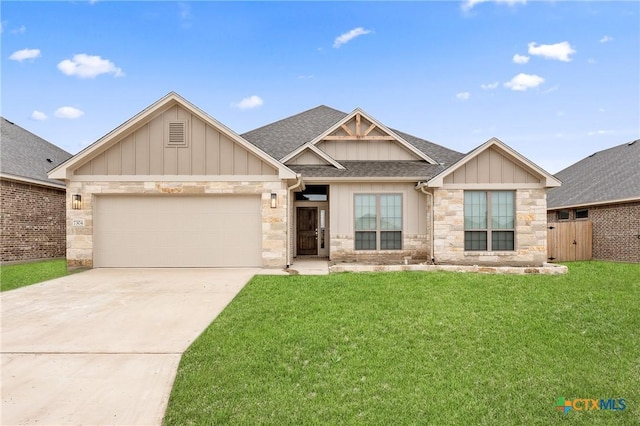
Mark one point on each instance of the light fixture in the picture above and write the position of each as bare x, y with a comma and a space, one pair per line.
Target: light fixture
274, 200
76, 202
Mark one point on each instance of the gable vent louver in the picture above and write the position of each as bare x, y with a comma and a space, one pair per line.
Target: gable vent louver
177, 133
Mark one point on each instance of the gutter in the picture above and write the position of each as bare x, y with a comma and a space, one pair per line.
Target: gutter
299, 184
421, 186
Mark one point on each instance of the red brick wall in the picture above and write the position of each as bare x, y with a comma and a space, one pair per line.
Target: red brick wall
32, 222
615, 231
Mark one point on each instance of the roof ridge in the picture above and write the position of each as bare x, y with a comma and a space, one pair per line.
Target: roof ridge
293, 116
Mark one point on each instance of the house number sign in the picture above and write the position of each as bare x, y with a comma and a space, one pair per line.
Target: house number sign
78, 222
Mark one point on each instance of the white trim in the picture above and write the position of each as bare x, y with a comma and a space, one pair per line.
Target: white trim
596, 203
384, 128
175, 178
550, 181
310, 179
30, 181
489, 186
63, 171
320, 153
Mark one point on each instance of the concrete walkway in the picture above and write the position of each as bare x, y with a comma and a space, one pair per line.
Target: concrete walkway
103, 346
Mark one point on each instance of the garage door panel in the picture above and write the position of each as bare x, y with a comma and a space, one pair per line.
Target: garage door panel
176, 231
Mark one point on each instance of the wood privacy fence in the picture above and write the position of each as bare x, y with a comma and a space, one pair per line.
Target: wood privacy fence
568, 241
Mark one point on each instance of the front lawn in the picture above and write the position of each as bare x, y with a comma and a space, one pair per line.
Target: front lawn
20, 275
418, 348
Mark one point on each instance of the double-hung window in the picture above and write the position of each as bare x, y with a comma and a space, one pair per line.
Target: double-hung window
378, 221
489, 221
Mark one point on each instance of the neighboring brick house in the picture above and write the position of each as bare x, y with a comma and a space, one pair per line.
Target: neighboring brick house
32, 206
605, 189
174, 187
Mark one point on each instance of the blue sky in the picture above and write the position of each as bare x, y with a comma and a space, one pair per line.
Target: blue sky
555, 80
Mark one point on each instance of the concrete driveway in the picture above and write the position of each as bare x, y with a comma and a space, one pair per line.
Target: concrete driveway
103, 346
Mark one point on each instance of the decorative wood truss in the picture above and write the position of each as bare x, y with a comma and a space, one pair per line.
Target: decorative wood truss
360, 132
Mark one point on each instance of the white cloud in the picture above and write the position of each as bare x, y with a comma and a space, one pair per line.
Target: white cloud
68, 112
469, 4
599, 132
20, 30
305, 76
489, 86
21, 55
522, 82
463, 96
520, 59
38, 115
89, 66
250, 102
606, 39
558, 51
601, 109
591, 61
350, 35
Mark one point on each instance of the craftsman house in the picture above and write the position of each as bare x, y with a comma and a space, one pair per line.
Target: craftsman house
32, 206
173, 187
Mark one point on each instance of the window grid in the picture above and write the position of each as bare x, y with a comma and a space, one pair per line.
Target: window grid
378, 221
489, 226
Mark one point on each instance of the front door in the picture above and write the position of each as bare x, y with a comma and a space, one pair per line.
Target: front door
307, 220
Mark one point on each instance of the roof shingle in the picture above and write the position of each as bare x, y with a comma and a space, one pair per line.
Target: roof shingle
608, 175
26, 155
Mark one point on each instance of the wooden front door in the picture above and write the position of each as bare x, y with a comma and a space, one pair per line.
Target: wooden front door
307, 230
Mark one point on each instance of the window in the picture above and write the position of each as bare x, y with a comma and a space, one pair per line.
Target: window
489, 223
378, 221
582, 213
563, 214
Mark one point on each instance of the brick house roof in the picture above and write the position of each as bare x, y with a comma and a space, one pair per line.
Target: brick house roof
25, 155
606, 176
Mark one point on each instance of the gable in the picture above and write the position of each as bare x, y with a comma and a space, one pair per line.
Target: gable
360, 139
172, 137
308, 157
494, 165
175, 142
491, 166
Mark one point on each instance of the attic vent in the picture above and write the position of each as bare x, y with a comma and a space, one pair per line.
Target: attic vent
631, 143
177, 134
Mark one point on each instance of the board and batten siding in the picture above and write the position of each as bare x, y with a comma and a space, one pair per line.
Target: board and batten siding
341, 210
490, 166
366, 150
307, 157
145, 151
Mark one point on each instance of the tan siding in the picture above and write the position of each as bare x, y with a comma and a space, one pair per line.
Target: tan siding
414, 209
366, 150
307, 157
490, 166
128, 156
207, 152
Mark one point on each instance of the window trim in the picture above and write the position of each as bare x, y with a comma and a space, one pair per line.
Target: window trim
489, 229
378, 229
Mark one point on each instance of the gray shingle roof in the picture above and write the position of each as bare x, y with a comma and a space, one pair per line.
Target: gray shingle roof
282, 137
26, 155
413, 169
608, 175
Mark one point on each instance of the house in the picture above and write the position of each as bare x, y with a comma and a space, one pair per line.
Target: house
32, 206
173, 187
603, 188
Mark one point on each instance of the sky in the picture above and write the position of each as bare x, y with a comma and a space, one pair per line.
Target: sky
555, 80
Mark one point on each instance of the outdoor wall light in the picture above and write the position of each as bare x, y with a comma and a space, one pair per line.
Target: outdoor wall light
76, 202
274, 200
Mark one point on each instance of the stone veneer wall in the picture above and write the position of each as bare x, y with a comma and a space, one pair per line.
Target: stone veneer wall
415, 247
531, 231
33, 222
80, 239
616, 230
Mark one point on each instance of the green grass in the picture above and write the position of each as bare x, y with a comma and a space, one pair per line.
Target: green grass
15, 276
418, 348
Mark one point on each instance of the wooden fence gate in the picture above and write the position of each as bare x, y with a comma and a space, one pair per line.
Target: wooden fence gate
568, 241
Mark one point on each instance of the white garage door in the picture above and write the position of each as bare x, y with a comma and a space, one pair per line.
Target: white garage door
177, 231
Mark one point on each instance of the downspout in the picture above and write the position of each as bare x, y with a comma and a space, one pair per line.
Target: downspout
289, 204
421, 186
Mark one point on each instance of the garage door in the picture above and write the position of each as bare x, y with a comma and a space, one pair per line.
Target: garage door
177, 231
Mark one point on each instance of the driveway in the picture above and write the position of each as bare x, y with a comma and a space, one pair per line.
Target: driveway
103, 346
